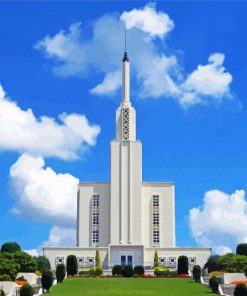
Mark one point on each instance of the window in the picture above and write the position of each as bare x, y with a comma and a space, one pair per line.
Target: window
155, 200
95, 218
95, 236
156, 218
162, 261
96, 201
156, 236
60, 260
192, 260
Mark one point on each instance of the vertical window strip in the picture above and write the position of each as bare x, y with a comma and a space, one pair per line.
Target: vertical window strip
95, 219
156, 220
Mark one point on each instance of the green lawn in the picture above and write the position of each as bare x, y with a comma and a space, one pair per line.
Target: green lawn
128, 287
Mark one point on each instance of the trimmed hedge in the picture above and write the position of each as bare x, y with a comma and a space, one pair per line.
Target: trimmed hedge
240, 290
117, 270
214, 284
128, 271
46, 280
197, 271
60, 273
72, 266
242, 249
183, 265
26, 290
139, 270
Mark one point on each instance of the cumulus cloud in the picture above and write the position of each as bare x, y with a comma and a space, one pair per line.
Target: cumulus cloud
61, 237
41, 194
221, 221
21, 131
155, 67
148, 20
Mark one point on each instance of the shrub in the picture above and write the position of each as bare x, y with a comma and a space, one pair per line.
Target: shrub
215, 273
197, 271
156, 258
60, 273
139, 270
241, 249
5, 277
212, 264
2, 293
128, 271
46, 280
10, 247
165, 273
240, 290
72, 266
97, 258
26, 290
214, 284
183, 265
98, 271
117, 270
91, 272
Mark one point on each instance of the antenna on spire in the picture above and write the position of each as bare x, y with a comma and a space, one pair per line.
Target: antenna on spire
125, 58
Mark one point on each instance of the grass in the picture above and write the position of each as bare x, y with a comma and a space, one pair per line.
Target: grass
128, 287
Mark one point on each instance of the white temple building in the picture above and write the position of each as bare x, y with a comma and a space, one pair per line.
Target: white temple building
126, 219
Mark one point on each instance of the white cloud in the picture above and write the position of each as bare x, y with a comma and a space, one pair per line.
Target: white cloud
41, 194
61, 237
109, 85
21, 131
221, 221
155, 66
33, 252
148, 20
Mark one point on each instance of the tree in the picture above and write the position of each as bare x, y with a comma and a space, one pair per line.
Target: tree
8, 266
72, 266
183, 265
60, 272
212, 264
10, 247
197, 272
156, 258
26, 261
26, 290
240, 290
242, 249
46, 280
97, 258
214, 284
42, 263
233, 263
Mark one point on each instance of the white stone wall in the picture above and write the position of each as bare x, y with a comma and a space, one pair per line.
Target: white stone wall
165, 191
115, 252
84, 221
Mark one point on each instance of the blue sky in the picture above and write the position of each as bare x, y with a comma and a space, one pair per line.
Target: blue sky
193, 131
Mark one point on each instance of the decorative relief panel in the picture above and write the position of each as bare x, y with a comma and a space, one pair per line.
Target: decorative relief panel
125, 124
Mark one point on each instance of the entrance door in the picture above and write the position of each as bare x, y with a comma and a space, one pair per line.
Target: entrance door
130, 259
126, 260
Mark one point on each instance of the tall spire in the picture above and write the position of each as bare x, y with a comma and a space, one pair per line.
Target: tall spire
126, 74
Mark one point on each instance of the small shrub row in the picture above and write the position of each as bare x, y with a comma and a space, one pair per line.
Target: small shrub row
128, 270
92, 272
164, 272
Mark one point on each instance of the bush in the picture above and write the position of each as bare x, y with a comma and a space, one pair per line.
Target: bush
241, 249
10, 247
4, 277
197, 271
215, 273
128, 271
60, 273
156, 258
98, 271
212, 264
46, 280
214, 284
165, 273
2, 293
139, 270
240, 290
183, 265
72, 266
97, 258
117, 270
26, 290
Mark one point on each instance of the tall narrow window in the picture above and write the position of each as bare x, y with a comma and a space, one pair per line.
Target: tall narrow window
95, 219
156, 220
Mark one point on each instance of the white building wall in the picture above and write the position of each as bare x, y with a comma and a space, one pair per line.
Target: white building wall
84, 222
166, 213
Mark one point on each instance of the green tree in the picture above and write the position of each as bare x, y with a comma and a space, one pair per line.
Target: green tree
8, 266
26, 261
10, 247
26, 290
97, 258
60, 273
42, 263
213, 264
46, 280
72, 266
233, 263
183, 264
241, 249
156, 258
